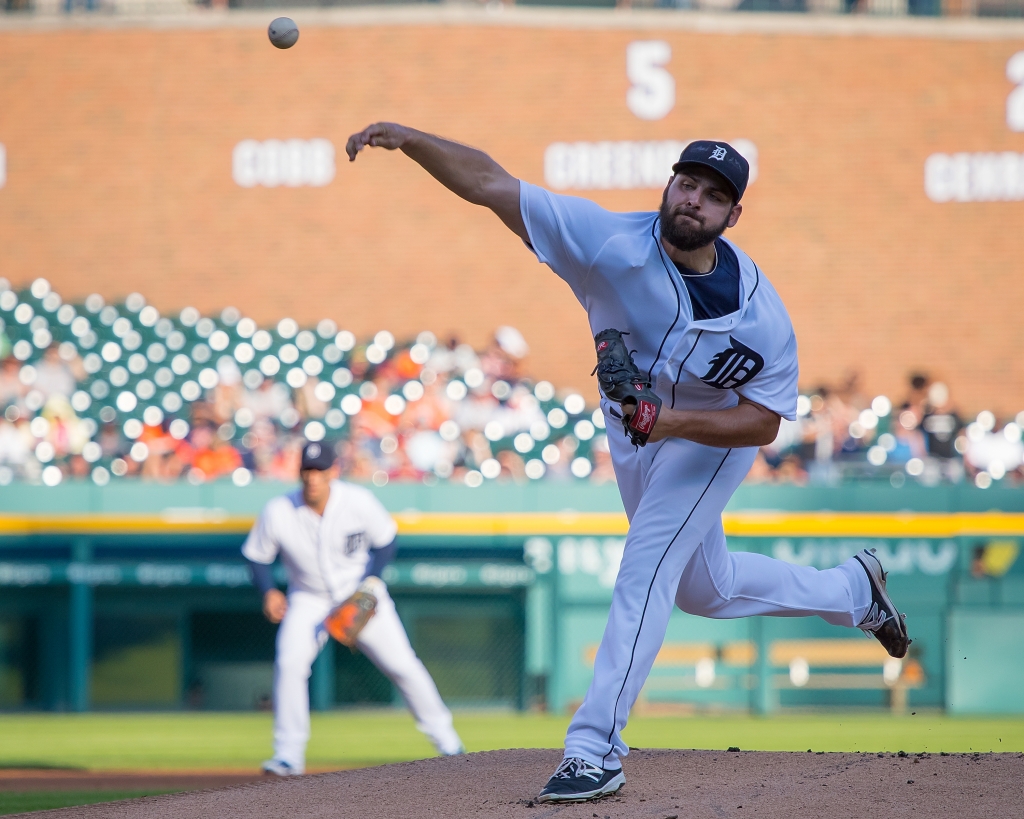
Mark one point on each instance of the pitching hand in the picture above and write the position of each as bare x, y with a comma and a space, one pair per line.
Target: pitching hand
379, 135
275, 605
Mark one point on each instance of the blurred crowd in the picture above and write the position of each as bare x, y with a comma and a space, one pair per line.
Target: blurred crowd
98, 391
842, 434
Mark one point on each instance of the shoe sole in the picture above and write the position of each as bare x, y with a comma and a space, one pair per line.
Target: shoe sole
610, 787
876, 576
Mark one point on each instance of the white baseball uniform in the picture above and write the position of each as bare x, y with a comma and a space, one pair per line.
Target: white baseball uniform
325, 558
674, 490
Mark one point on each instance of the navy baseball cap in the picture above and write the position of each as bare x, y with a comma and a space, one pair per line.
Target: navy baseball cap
317, 456
720, 157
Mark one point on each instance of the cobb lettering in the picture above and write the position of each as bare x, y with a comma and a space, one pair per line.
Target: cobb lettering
733, 367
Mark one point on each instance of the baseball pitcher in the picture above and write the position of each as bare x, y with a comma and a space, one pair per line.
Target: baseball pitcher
697, 363
334, 539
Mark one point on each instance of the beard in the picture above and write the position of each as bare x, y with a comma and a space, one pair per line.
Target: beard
682, 235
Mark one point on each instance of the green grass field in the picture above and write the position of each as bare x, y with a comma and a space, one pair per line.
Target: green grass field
190, 741
49, 800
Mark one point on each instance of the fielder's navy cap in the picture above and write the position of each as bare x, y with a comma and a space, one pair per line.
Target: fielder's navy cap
317, 456
721, 157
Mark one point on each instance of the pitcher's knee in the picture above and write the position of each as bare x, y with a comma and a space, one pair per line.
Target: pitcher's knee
705, 602
407, 675
700, 609
288, 667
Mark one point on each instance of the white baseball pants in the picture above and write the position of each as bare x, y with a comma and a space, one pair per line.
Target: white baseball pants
383, 640
674, 492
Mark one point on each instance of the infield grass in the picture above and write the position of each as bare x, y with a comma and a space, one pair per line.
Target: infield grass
49, 800
345, 739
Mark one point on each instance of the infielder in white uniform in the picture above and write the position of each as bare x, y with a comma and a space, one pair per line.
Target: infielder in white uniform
715, 353
332, 536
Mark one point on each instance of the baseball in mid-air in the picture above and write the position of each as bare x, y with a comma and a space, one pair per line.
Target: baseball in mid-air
283, 32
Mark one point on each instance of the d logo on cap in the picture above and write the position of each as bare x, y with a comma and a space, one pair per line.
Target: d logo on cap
317, 456
722, 158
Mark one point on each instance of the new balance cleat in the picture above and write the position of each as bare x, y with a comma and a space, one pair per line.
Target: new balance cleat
577, 780
883, 620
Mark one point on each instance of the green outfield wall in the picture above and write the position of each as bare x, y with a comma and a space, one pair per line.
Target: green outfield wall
134, 596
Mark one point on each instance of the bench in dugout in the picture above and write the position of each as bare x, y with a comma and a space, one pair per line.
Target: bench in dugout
836, 665
692, 672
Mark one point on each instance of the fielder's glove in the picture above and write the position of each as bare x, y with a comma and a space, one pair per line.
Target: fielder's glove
621, 381
346, 621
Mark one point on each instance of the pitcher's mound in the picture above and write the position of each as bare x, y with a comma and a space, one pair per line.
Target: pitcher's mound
659, 785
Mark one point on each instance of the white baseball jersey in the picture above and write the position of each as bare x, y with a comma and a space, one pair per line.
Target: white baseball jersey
620, 273
326, 558
674, 490
322, 555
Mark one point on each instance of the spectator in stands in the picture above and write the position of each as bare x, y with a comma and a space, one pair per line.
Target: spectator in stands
163, 463
285, 465
77, 467
760, 471
791, 470
227, 395
911, 413
917, 396
65, 431
940, 423
112, 443
453, 355
306, 401
214, 457
12, 391
269, 401
14, 445
54, 375
512, 466
603, 471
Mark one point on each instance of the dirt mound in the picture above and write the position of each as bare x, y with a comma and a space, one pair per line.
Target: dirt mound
659, 785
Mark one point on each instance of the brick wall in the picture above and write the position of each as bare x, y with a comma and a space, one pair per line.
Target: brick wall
119, 143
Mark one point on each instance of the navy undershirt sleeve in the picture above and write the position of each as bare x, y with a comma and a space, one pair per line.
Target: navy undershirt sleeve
379, 558
262, 576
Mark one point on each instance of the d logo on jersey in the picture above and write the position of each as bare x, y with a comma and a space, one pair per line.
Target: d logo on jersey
356, 542
733, 367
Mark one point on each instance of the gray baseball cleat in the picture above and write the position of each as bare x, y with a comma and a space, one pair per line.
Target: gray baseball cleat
576, 780
883, 620
278, 767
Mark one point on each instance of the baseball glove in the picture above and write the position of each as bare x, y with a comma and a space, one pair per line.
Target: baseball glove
621, 381
348, 619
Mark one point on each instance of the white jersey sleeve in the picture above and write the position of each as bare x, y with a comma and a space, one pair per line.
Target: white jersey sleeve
380, 526
566, 232
261, 546
776, 387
